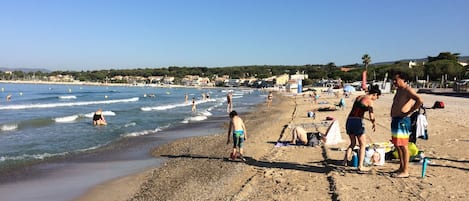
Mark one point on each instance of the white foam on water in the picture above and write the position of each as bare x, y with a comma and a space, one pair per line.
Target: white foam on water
67, 97
31, 156
163, 107
52, 105
130, 124
105, 113
171, 106
66, 119
9, 127
146, 132
194, 118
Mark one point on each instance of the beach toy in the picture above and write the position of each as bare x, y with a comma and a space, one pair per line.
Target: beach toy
424, 166
413, 150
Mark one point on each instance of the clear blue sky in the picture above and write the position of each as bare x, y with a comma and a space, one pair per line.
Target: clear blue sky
104, 34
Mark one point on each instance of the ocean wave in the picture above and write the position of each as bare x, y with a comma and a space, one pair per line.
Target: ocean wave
206, 113
146, 132
130, 124
31, 156
199, 117
67, 97
52, 105
8, 127
164, 107
105, 113
171, 106
66, 119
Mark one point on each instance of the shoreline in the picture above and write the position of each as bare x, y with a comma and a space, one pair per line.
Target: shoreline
195, 168
91, 169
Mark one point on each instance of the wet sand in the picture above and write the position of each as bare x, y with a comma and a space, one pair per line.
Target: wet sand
196, 168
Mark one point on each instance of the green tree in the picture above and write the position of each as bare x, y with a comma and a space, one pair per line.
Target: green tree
436, 69
445, 56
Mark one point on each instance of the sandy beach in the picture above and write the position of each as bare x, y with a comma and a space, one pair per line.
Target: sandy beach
196, 168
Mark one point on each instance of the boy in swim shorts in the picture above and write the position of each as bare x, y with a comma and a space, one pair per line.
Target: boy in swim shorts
405, 102
237, 129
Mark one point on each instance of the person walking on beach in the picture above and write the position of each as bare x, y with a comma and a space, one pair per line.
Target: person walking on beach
355, 127
229, 102
237, 129
98, 118
270, 97
316, 97
194, 108
404, 103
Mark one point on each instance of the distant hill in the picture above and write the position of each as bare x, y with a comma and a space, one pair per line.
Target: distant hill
26, 70
461, 58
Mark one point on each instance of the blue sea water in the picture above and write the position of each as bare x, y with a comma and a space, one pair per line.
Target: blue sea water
42, 121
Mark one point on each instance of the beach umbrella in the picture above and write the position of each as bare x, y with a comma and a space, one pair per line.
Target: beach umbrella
349, 88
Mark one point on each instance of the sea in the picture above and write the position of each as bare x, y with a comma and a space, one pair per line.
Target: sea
44, 124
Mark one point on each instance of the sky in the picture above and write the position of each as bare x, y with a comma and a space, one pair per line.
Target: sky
85, 35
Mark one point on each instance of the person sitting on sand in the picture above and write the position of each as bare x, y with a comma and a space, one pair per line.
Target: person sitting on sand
326, 109
354, 125
341, 103
98, 118
237, 129
299, 136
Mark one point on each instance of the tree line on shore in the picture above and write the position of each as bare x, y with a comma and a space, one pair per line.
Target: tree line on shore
445, 66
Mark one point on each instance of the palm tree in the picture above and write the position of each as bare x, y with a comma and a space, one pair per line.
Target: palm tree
366, 60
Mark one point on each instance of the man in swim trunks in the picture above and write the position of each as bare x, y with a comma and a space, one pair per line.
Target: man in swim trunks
404, 103
238, 130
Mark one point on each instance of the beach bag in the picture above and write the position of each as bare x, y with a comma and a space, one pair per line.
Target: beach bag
413, 150
439, 104
311, 114
419, 123
313, 139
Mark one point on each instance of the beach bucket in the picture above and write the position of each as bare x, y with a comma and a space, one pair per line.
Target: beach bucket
379, 156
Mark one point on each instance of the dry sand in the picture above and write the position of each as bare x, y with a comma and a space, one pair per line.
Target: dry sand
196, 168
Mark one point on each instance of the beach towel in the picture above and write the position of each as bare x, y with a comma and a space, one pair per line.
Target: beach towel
419, 125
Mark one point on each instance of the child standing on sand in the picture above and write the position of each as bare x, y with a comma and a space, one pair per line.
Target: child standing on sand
239, 135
